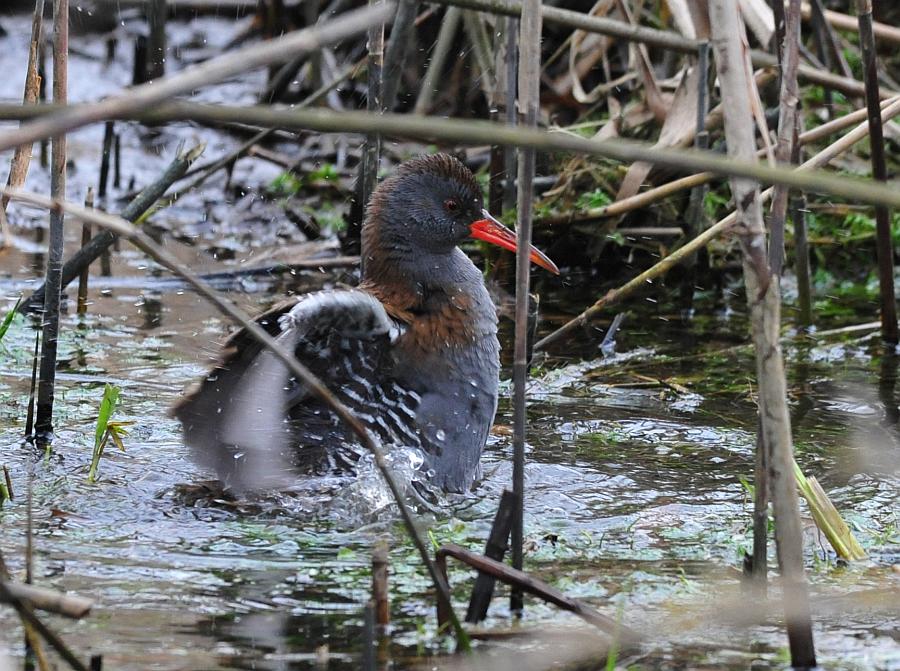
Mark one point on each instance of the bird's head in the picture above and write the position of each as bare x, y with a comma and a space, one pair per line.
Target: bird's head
430, 206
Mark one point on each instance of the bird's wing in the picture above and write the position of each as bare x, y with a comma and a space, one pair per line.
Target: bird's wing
242, 418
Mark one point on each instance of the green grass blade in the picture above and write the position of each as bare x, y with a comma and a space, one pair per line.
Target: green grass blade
107, 408
8, 319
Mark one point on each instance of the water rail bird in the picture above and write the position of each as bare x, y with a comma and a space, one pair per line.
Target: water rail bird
412, 351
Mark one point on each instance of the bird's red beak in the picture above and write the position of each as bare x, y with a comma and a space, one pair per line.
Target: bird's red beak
491, 230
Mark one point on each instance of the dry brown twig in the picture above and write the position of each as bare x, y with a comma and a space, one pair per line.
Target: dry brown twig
18, 168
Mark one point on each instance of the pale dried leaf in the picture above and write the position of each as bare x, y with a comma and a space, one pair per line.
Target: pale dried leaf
759, 19
700, 16
585, 49
681, 17
678, 130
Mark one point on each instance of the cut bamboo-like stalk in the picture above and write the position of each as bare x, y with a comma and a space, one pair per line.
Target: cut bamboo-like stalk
827, 517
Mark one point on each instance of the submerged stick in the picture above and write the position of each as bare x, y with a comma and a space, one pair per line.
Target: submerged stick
497, 544
534, 586
50, 317
142, 241
529, 108
101, 242
148, 95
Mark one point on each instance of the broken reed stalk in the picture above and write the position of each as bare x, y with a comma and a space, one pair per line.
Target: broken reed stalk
639, 282
529, 108
148, 95
884, 245
523, 581
446, 35
658, 193
764, 302
495, 548
86, 271
789, 99
652, 37
827, 518
52, 282
473, 132
50, 600
142, 241
34, 651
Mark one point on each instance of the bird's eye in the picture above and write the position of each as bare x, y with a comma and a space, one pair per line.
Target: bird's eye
451, 205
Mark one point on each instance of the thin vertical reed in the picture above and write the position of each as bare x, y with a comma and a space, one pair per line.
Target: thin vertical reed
156, 44
445, 38
42, 96
85, 272
105, 157
694, 216
117, 162
380, 596
801, 262
512, 78
787, 113
497, 98
884, 246
370, 152
760, 566
50, 320
29, 415
529, 104
764, 302
402, 37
